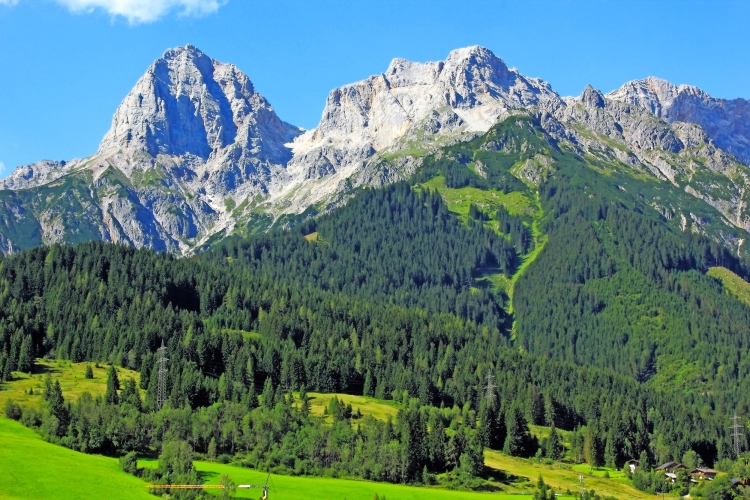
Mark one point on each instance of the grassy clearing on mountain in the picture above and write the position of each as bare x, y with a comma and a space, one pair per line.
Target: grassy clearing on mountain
378, 408
733, 284
34, 469
71, 377
459, 200
323, 488
523, 474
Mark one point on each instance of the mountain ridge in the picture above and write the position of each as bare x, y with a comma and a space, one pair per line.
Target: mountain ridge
195, 153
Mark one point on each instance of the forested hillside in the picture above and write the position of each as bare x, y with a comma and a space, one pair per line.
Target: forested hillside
394, 296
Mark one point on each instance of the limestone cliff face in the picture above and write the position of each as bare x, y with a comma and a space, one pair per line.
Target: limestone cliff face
727, 122
195, 152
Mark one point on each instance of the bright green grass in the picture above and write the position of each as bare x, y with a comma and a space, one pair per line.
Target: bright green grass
34, 469
732, 283
72, 381
562, 476
320, 488
378, 408
459, 200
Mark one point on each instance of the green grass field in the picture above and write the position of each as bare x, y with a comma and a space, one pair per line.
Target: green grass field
562, 476
68, 474
379, 409
71, 377
34, 469
732, 283
459, 200
314, 488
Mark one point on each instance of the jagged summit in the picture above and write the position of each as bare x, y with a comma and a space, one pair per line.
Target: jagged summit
189, 104
469, 90
726, 121
195, 152
592, 97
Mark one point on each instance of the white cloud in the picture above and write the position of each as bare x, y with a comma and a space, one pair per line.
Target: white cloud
2, 165
8, 2
142, 11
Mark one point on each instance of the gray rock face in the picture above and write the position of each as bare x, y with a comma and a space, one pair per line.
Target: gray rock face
189, 104
727, 122
195, 153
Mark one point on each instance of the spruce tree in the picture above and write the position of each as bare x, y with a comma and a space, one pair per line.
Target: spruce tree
212, 449
554, 448
304, 402
113, 385
367, 389
25, 355
89, 374
268, 392
518, 439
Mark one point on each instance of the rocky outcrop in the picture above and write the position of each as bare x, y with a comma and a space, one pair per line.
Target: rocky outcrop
195, 152
727, 122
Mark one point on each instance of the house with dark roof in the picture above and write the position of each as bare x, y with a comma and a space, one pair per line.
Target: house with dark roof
702, 474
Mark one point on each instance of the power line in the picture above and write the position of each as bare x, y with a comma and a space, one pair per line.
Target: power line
161, 386
736, 427
490, 387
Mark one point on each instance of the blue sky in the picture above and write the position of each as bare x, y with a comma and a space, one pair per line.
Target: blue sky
67, 64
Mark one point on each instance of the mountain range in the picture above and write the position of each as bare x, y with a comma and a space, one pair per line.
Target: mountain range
195, 153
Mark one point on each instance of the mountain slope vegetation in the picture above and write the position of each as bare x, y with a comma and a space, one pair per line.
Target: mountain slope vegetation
615, 330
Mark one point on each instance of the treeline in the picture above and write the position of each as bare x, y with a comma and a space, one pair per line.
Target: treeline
393, 245
620, 290
383, 303
275, 432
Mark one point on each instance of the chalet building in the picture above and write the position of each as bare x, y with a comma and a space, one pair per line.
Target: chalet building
632, 464
702, 474
670, 467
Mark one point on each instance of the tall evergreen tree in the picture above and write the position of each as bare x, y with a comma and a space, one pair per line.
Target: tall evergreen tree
113, 385
518, 440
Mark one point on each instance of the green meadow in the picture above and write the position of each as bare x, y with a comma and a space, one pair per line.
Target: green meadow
322, 488
72, 381
34, 469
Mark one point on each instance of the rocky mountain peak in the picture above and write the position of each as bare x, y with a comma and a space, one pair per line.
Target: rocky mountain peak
471, 89
726, 121
189, 104
591, 97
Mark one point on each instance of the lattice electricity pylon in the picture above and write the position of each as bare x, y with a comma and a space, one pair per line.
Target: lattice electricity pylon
490, 387
738, 432
161, 377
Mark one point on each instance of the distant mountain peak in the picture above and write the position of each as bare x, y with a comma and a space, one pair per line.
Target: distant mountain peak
726, 121
189, 104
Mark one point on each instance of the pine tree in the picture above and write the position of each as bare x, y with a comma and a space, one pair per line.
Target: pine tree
644, 463
130, 394
436, 442
113, 385
304, 402
518, 439
554, 447
89, 374
367, 389
268, 392
610, 451
25, 355
212, 449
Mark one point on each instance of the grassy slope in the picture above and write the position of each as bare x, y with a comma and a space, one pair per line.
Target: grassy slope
560, 477
70, 375
321, 488
20, 446
732, 283
35, 469
368, 406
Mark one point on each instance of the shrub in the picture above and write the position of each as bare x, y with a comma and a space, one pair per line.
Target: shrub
129, 463
12, 410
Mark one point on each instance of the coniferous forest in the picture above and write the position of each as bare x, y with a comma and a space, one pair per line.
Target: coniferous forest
384, 299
